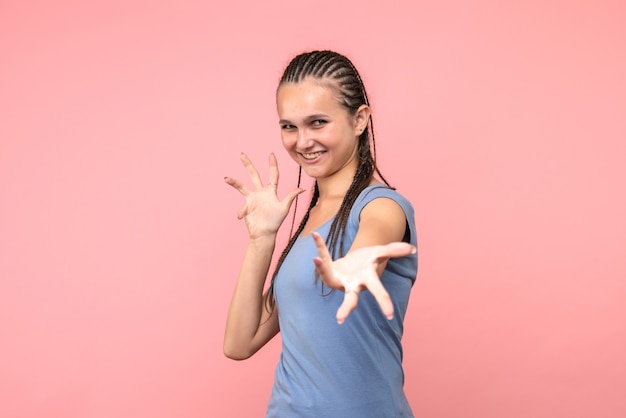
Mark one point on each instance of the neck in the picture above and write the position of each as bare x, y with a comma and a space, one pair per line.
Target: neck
334, 188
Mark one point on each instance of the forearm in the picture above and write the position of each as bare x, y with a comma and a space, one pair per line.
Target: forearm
247, 325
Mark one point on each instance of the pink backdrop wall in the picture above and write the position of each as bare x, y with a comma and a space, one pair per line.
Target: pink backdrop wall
119, 244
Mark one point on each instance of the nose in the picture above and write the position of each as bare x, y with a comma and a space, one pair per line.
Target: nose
304, 140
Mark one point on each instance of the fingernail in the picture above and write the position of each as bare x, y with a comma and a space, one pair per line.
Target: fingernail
414, 250
389, 317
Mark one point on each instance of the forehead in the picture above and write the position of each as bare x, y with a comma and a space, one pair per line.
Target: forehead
306, 97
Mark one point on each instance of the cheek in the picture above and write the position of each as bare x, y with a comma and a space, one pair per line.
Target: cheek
339, 136
332, 134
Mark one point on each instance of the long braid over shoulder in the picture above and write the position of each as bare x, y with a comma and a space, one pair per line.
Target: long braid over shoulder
338, 72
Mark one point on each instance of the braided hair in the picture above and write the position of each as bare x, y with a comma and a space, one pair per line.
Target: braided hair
344, 78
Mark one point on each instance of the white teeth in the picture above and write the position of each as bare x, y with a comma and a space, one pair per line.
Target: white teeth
312, 155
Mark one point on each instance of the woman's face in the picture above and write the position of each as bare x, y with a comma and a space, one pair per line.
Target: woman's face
317, 132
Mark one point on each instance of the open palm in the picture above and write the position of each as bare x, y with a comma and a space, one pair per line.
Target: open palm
357, 271
263, 211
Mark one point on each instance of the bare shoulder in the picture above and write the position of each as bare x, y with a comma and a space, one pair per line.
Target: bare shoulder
383, 221
385, 210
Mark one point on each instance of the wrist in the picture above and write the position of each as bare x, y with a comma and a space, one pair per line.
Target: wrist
263, 240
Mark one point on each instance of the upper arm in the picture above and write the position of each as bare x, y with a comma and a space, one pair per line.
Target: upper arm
381, 222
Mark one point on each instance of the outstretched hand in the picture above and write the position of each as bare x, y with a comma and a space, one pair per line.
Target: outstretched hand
263, 211
356, 271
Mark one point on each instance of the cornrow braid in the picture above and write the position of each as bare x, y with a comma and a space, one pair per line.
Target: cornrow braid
344, 78
270, 302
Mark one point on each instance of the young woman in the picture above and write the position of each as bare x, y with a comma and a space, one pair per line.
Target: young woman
356, 244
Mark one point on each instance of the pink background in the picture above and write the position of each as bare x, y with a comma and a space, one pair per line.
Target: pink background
119, 245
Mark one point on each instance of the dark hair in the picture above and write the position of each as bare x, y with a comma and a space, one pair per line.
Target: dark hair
344, 78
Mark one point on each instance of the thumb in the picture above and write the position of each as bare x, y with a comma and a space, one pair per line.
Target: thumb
288, 200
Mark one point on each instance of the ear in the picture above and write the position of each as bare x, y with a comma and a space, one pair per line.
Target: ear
361, 119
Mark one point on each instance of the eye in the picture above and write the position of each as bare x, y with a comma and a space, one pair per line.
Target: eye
287, 127
319, 122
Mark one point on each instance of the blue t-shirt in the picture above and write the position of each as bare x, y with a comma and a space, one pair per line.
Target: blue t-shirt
327, 370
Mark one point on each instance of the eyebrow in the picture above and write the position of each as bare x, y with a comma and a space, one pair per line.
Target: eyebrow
308, 118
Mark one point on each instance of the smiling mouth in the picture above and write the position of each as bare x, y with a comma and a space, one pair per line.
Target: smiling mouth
311, 155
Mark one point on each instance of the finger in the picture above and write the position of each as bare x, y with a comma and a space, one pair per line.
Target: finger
273, 170
243, 211
237, 185
350, 302
322, 250
324, 269
377, 290
252, 171
395, 249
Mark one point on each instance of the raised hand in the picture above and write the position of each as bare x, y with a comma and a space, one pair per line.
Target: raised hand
356, 271
263, 211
